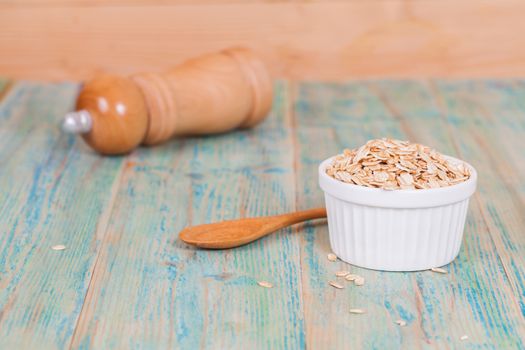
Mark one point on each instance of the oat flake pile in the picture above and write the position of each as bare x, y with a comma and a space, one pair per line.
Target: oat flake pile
394, 164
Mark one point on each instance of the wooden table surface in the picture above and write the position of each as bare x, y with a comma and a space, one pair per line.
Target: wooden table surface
125, 281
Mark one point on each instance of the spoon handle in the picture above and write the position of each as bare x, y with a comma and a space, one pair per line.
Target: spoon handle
300, 216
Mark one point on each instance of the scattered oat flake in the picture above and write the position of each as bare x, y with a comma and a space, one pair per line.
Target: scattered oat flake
341, 273
357, 311
331, 257
351, 277
359, 281
463, 337
336, 285
58, 247
401, 323
438, 270
265, 284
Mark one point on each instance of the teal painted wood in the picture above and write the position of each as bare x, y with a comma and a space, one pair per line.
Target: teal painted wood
51, 192
169, 295
497, 123
439, 308
495, 318
124, 281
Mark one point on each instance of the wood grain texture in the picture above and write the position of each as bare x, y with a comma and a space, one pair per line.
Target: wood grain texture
124, 281
307, 40
50, 193
439, 311
179, 297
499, 118
448, 129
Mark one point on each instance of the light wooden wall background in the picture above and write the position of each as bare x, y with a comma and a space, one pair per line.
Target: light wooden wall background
332, 40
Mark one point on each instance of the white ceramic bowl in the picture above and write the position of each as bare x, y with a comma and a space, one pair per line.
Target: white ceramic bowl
400, 230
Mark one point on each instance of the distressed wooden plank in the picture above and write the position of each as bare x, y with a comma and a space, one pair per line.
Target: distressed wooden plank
306, 39
439, 309
51, 192
501, 107
488, 118
335, 116
494, 315
150, 290
146, 290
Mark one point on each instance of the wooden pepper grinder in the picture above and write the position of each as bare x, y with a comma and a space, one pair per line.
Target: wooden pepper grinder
209, 94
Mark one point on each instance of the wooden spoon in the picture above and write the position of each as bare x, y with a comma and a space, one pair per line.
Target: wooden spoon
234, 233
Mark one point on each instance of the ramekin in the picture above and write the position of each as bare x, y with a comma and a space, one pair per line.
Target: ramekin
399, 230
